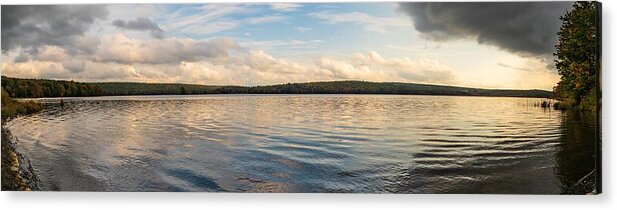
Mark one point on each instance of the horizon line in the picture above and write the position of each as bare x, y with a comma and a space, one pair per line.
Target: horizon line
322, 81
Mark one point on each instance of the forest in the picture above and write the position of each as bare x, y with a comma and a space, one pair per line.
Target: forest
36, 88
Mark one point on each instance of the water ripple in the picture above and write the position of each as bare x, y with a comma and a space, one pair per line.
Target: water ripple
291, 143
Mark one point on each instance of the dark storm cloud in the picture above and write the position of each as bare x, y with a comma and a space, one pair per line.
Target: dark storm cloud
529, 28
141, 24
31, 27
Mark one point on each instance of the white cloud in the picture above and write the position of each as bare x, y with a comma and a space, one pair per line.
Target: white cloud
120, 58
214, 18
303, 29
343, 70
121, 49
422, 68
205, 14
213, 27
374, 67
129, 11
264, 19
285, 6
294, 44
261, 61
31, 69
368, 22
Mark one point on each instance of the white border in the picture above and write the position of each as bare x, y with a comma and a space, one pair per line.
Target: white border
181, 201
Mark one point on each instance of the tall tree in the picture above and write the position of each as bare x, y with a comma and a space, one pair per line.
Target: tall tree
577, 53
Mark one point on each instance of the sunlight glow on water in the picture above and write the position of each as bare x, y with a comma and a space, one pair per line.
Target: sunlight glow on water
300, 143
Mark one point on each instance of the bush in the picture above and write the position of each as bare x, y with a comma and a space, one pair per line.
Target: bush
11, 108
589, 102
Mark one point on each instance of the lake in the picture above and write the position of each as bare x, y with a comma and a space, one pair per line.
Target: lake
307, 143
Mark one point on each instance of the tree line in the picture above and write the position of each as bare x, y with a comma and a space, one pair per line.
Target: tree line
37, 88
32, 88
363, 87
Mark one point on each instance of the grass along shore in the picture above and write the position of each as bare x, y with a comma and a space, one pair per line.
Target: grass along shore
17, 173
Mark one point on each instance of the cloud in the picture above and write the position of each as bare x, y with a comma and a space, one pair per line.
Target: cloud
264, 19
368, 22
72, 63
31, 27
122, 49
513, 67
120, 58
141, 24
293, 44
213, 27
213, 18
421, 70
184, 72
22, 57
261, 61
196, 18
528, 28
93, 49
303, 29
373, 67
36, 69
285, 6
344, 70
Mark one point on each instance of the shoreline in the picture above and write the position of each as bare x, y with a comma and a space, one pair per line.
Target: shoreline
63, 99
17, 171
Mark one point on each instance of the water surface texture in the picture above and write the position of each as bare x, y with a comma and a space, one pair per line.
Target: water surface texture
306, 143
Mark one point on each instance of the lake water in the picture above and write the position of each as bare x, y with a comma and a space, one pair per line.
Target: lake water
307, 143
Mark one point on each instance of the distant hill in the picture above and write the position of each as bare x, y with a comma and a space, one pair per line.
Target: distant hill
362, 87
33, 88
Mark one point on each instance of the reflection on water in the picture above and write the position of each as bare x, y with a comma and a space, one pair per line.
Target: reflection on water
576, 155
307, 143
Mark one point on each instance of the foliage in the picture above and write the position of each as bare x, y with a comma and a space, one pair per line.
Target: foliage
15, 175
337, 87
36, 88
362, 87
11, 108
130, 88
577, 58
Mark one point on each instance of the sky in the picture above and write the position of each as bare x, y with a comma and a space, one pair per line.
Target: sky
504, 45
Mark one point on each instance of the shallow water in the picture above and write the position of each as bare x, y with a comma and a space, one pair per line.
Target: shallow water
307, 143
